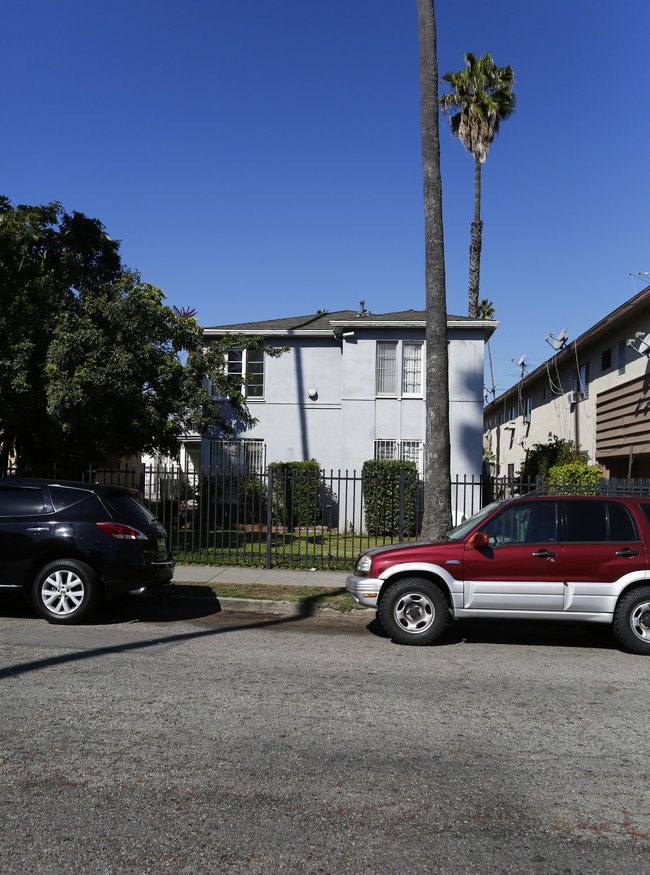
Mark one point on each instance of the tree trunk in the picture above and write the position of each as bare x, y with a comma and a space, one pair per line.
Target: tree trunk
475, 244
437, 488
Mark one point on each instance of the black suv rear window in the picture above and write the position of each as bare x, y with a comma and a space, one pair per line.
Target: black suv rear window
124, 505
23, 501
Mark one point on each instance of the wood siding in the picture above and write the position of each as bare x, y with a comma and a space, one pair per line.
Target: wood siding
623, 419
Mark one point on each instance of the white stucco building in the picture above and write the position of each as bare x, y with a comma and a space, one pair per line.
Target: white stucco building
352, 388
595, 391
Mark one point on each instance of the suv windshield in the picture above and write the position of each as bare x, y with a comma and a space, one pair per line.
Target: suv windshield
459, 531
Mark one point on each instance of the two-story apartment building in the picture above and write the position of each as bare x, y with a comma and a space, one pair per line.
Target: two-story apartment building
595, 391
352, 388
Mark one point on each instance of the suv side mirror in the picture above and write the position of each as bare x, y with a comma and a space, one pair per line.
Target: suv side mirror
478, 540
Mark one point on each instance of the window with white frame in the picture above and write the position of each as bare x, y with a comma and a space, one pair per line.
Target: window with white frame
249, 365
386, 450
412, 368
386, 368
581, 380
245, 455
406, 450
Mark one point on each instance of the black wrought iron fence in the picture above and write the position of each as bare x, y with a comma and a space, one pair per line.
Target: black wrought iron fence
307, 519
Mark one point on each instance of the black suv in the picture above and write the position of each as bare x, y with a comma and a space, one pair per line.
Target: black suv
68, 545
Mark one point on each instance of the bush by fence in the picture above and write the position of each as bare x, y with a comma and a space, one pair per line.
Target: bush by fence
390, 494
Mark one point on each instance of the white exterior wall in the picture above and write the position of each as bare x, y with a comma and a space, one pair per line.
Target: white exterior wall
339, 425
552, 413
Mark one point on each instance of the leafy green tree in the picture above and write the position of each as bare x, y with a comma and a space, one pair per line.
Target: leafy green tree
542, 457
437, 489
92, 362
480, 99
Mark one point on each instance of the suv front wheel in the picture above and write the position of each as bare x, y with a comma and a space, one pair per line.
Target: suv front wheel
413, 611
632, 620
65, 591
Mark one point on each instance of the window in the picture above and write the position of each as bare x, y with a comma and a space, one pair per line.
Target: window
23, 501
407, 451
525, 408
606, 359
385, 450
246, 455
412, 452
581, 380
249, 364
386, 368
524, 523
622, 348
411, 368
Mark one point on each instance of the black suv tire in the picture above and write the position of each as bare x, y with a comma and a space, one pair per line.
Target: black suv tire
65, 591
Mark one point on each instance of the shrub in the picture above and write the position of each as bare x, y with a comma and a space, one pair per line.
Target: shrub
574, 478
381, 483
296, 493
542, 457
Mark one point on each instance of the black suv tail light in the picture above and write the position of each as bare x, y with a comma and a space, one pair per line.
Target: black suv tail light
122, 532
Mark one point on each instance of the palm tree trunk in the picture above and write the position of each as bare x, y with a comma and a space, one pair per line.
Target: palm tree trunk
475, 244
437, 489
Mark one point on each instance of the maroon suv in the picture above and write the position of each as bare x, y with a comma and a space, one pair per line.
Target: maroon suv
533, 557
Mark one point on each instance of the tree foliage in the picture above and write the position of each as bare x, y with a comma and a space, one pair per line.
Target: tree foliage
542, 457
92, 362
481, 97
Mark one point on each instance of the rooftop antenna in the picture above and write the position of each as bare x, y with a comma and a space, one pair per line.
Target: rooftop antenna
641, 273
559, 341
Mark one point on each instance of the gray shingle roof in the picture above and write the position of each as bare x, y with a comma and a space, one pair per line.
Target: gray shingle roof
322, 321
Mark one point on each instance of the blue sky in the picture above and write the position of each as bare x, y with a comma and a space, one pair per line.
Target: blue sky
260, 160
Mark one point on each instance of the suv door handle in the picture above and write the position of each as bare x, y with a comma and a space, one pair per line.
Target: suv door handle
627, 552
545, 554
38, 529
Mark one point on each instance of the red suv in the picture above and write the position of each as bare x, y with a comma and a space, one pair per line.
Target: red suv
534, 557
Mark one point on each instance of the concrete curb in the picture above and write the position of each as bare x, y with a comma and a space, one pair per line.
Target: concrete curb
293, 609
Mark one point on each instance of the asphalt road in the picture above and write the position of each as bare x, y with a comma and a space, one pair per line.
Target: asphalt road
161, 739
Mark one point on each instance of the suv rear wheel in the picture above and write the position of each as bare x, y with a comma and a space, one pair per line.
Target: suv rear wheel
65, 591
414, 611
632, 620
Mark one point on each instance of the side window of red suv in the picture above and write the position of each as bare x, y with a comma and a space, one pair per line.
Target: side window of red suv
598, 522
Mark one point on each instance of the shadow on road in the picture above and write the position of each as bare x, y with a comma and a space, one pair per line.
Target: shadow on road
144, 609
521, 632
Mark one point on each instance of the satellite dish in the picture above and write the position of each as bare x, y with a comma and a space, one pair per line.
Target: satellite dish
521, 361
557, 342
644, 343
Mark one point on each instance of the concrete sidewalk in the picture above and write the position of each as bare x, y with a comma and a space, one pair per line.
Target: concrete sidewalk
268, 576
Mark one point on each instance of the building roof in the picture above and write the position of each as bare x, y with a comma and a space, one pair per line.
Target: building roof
334, 322
622, 313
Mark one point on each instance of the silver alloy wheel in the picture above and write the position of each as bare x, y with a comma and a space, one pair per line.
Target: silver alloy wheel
63, 592
640, 621
414, 612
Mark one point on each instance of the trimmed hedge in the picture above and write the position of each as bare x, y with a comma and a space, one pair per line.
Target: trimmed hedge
381, 481
296, 493
574, 478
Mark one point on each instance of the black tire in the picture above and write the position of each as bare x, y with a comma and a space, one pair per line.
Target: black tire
65, 591
632, 621
413, 611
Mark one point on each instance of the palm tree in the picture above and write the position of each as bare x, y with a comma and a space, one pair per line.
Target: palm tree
437, 492
485, 310
481, 98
